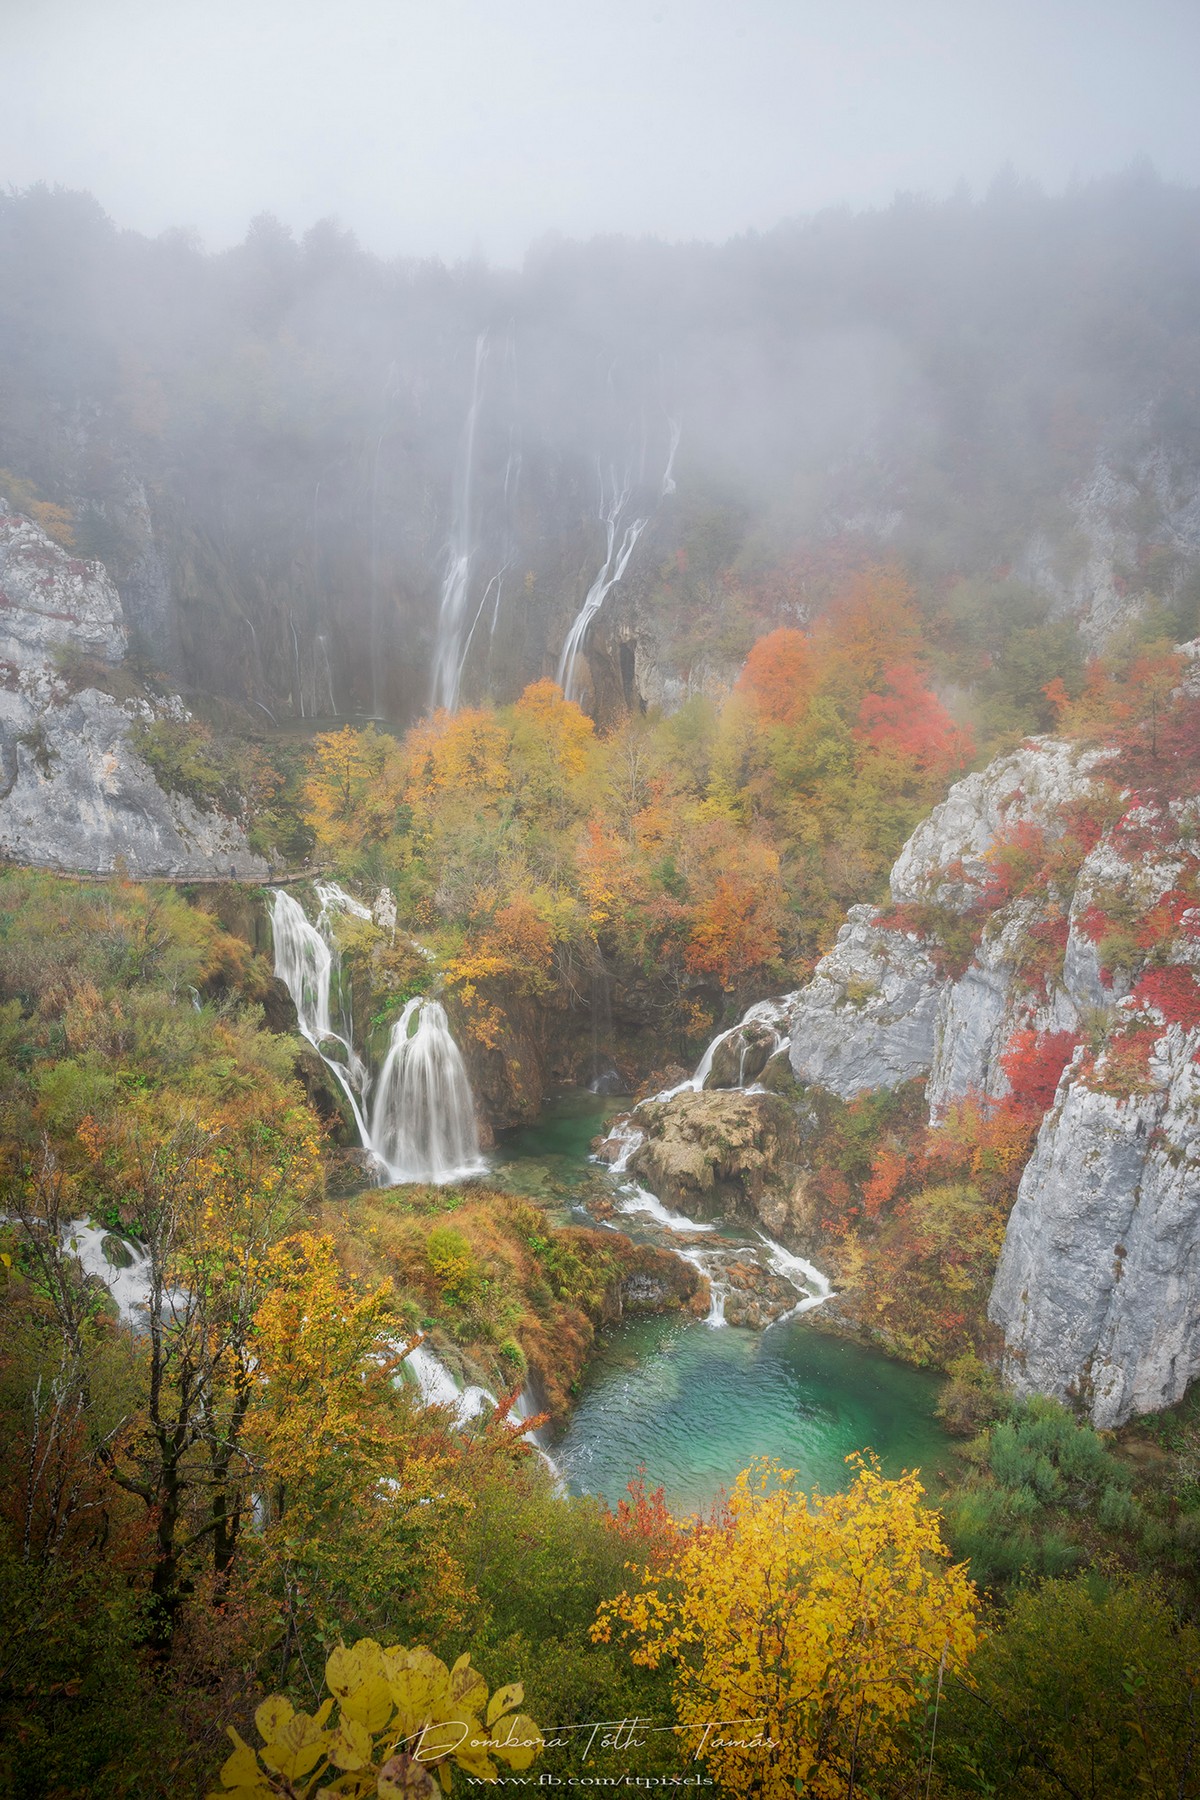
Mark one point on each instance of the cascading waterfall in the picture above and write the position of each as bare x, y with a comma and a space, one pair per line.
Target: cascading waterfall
450, 654
616, 561
420, 1125
811, 1285
304, 962
423, 1117
668, 480
773, 1013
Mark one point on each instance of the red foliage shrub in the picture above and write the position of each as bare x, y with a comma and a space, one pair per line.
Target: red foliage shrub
1014, 862
1174, 991
1033, 1064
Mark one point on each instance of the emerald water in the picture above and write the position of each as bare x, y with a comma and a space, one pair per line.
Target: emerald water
695, 1406
692, 1405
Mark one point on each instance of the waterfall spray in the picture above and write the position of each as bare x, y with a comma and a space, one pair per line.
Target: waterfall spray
451, 652
421, 1124
423, 1118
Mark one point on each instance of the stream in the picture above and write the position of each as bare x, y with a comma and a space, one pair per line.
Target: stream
693, 1405
691, 1402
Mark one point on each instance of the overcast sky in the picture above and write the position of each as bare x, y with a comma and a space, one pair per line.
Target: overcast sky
444, 127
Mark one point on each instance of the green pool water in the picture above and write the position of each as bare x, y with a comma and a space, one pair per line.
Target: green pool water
696, 1405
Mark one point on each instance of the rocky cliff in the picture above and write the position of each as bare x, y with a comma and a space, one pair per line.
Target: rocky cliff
1004, 922
74, 794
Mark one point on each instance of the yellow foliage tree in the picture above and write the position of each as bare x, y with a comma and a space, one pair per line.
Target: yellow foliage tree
403, 1717
809, 1629
353, 787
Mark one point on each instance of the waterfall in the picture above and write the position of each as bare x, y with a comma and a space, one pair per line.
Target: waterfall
774, 1013
811, 1285
124, 1268
421, 1124
423, 1117
635, 1199
616, 561
437, 1387
718, 1290
668, 480
450, 654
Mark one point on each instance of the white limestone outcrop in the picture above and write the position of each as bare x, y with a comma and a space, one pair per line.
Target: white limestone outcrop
1098, 1286
74, 794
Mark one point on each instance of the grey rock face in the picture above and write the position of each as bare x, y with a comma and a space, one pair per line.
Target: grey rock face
877, 1011
84, 801
73, 793
1030, 786
868, 1017
1098, 1287
48, 597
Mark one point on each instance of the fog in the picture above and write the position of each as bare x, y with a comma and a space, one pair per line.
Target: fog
460, 127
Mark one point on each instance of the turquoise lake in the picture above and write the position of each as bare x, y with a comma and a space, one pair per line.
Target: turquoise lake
693, 1405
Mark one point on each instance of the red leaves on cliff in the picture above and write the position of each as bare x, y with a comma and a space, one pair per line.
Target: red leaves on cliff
1033, 1064
1174, 992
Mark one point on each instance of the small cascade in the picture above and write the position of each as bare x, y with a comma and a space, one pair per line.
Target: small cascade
437, 1387
304, 962
450, 654
420, 1125
774, 1014
718, 1290
124, 1268
423, 1117
635, 1199
616, 561
805, 1277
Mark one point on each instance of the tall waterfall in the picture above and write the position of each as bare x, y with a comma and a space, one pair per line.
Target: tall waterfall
616, 561
423, 1117
616, 557
421, 1124
450, 654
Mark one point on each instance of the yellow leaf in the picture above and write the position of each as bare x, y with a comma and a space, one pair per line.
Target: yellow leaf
297, 1747
241, 1769
470, 1749
403, 1778
351, 1747
356, 1677
273, 1715
504, 1699
518, 1741
468, 1689
420, 1686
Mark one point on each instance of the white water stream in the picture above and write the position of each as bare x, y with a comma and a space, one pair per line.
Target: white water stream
451, 650
419, 1124
810, 1283
616, 561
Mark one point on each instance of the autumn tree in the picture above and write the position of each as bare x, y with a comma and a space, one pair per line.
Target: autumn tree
811, 1628
353, 788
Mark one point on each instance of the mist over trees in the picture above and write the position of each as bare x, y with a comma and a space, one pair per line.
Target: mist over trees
265, 446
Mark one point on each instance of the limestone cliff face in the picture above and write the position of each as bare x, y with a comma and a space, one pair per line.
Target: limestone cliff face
881, 1007
74, 795
1098, 1287
868, 1018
